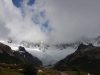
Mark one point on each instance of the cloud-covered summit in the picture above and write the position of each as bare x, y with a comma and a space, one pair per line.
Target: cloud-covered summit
52, 21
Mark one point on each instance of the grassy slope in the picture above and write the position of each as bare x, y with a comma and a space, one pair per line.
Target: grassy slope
6, 71
48, 71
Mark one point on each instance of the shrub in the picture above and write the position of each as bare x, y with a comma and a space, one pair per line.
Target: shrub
29, 69
75, 68
78, 72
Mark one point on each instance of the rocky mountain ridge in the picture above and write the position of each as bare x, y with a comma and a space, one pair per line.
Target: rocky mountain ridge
94, 41
5, 48
21, 55
86, 58
24, 56
50, 54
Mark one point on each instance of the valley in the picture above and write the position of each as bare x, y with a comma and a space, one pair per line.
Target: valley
52, 59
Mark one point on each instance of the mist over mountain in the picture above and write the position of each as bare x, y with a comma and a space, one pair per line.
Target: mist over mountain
95, 41
50, 54
85, 58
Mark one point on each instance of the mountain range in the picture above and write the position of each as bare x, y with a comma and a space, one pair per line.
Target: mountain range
50, 54
85, 58
7, 55
95, 41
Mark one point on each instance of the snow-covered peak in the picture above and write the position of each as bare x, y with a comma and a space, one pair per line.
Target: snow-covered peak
12, 45
50, 54
2, 41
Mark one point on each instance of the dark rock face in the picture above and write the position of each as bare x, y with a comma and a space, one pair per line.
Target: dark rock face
87, 58
6, 58
7, 49
83, 46
7, 55
21, 49
24, 56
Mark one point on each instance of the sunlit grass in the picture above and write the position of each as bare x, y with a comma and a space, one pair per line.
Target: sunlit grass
6, 71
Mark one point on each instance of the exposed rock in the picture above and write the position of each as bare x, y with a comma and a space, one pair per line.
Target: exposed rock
87, 58
6, 58
21, 49
7, 49
7, 55
83, 46
23, 55
9, 40
1, 51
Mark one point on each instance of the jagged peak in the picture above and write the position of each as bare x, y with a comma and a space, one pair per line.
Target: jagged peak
6, 48
83, 46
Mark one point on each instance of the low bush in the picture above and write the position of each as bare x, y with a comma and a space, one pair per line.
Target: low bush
29, 69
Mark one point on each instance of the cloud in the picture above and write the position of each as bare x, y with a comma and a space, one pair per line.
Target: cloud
20, 24
52, 21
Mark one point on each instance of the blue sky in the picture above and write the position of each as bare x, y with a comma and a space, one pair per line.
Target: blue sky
17, 2
54, 21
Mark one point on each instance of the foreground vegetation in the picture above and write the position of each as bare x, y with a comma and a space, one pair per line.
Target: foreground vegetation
6, 71
28, 69
17, 69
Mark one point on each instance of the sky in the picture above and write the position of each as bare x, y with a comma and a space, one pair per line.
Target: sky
50, 21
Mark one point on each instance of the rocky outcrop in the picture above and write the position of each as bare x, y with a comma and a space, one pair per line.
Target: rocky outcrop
7, 55
7, 49
24, 56
83, 46
86, 57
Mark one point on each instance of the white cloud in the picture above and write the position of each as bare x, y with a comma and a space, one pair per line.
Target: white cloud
73, 19
69, 19
21, 28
